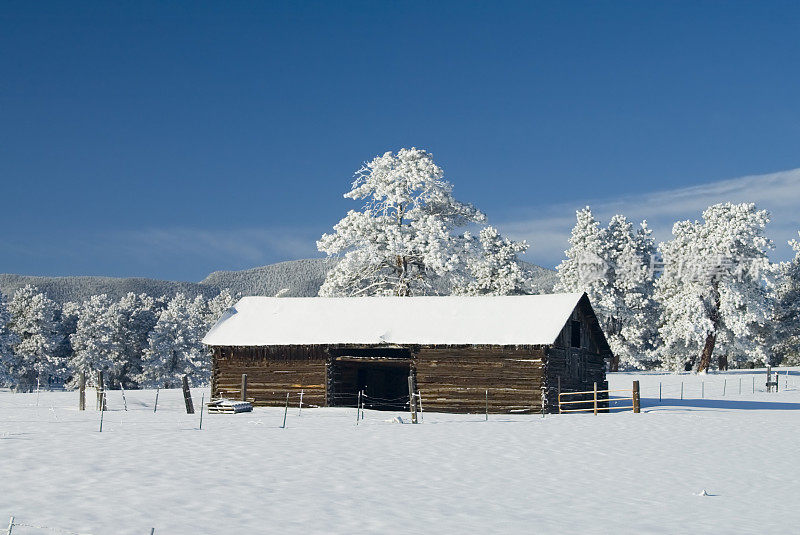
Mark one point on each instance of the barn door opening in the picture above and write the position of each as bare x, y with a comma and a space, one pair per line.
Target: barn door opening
381, 374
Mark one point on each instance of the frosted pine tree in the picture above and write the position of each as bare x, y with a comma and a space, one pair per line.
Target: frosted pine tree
612, 266
713, 288
585, 268
33, 317
66, 325
98, 342
403, 237
787, 309
138, 315
174, 346
217, 306
626, 303
494, 269
8, 339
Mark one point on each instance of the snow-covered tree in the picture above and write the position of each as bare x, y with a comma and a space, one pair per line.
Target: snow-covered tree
8, 339
33, 320
66, 325
403, 238
585, 267
217, 305
627, 303
112, 336
139, 315
174, 346
787, 309
495, 269
612, 265
713, 289
97, 343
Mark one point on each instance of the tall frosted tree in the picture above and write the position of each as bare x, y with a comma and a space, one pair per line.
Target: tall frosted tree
713, 289
404, 237
66, 325
98, 342
33, 321
139, 315
627, 302
585, 266
787, 309
494, 269
217, 305
612, 265
174, 346
8, 339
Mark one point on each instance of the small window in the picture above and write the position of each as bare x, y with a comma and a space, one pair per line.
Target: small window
576, 334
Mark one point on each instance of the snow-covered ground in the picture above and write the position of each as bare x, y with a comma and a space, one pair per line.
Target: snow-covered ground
618, 473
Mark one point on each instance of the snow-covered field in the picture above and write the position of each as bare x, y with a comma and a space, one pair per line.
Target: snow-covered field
618, 473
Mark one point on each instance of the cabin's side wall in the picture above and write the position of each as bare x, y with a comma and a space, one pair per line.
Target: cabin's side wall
574, 369
456, 378
272, 372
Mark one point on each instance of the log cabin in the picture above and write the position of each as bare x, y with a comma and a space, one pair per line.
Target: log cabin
512, 353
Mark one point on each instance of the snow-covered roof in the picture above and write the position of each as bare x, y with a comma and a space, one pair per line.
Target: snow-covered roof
451, 320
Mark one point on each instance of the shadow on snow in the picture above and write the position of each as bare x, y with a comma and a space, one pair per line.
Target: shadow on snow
732, 404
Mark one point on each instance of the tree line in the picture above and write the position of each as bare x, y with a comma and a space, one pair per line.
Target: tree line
137, 341
707, 298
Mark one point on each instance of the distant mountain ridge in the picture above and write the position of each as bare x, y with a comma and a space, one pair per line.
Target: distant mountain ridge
295, 278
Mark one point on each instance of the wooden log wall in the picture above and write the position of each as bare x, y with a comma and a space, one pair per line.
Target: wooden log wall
271, 373
455, 379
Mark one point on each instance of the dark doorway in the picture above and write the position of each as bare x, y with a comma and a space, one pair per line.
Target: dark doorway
381, 374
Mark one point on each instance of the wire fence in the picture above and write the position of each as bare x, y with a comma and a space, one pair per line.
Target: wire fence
731, 384
15, 525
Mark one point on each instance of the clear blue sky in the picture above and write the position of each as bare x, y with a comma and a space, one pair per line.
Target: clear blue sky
170, 139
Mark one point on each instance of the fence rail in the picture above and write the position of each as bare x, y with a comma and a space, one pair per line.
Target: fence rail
595, 401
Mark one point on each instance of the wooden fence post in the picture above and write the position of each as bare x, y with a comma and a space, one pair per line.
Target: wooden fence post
543, 400
102, 412
202, 399
487, 404
285, 410
412, 402
559, 394
155, 405
101, 399
187, 395
244, 387
358, 407
595, 399
10, 526
82, 392
636, 399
